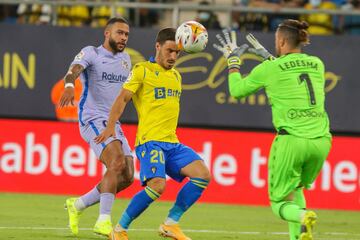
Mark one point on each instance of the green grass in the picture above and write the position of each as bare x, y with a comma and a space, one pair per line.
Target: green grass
40, 217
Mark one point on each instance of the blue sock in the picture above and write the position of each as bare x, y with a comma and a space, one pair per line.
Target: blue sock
138, 205
187, 196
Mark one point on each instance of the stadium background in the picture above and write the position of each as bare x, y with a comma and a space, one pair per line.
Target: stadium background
41, 154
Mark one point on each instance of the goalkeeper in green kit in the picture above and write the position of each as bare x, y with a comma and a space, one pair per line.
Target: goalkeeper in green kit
294, 83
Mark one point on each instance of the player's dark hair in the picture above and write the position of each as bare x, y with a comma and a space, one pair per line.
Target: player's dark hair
166, 34
295, 32
113, 20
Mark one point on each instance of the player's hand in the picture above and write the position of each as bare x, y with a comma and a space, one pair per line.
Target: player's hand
258, 49
104, 135
67, 97
229, 48
228, 45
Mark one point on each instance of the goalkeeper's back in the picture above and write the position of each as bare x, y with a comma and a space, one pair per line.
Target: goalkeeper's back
295, 87
294, 83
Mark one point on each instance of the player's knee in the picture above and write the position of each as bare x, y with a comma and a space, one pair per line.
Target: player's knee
275, 207
117, 164
157, 184
204, 174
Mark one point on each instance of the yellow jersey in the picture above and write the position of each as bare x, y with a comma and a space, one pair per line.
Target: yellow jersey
156, 98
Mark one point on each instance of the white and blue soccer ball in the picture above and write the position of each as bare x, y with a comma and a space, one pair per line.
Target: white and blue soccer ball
191, 37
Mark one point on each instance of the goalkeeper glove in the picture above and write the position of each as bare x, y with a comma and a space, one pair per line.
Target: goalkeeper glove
230, 50
258, 49
234, 60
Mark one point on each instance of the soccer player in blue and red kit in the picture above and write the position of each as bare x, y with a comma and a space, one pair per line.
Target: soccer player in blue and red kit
103, 71
155, 88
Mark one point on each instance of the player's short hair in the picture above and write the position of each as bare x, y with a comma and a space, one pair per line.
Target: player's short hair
113, 20
295, 32
166, 34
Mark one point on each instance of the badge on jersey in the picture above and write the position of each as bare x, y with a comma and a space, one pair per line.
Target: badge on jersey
79, 56
153, 169
129, 77
125, 64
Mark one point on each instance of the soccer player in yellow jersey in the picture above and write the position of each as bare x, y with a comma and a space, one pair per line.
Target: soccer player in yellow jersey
155, 88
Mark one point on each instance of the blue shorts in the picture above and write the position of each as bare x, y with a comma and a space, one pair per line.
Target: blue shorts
160, 158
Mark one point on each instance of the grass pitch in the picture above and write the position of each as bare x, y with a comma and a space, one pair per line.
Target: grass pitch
25, 216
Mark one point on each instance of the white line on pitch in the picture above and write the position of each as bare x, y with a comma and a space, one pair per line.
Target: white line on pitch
185, 230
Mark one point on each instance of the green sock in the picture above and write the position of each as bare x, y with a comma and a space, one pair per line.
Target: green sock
299, 199
294, 230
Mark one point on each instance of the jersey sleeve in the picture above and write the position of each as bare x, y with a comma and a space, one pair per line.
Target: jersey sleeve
135, 78
242, 87
85, 57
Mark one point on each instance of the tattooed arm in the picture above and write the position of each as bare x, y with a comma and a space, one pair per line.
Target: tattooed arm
70, 77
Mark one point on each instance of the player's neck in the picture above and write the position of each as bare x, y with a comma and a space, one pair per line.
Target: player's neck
289, 51
107, 47
157, 60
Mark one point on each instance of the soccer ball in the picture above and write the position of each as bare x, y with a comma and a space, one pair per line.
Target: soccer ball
191, 37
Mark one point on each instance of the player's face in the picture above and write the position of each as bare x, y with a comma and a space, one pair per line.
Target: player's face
117, 36
167, 54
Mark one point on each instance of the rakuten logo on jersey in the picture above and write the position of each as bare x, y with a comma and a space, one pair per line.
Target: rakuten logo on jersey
113, 78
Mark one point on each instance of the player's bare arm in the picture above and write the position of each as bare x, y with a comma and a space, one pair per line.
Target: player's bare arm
70, 77
116, 111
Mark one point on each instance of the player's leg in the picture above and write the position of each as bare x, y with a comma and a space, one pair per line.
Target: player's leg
299, 199
112, 154
75, 206
127, 179
199, 178
285, 166
318, 151
93, 196
116, 171
182, 162
153, 176
141, 201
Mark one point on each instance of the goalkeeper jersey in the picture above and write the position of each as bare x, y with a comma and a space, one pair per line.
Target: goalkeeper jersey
295, 86
157, 101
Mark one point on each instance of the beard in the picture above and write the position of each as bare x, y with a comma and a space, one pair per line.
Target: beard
114, 46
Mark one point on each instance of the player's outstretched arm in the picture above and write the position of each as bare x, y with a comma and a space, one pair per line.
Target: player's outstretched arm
258, 49
229, 48
116, 111
68, 95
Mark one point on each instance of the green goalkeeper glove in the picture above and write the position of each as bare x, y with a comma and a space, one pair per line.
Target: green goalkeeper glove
258, 49
230, 50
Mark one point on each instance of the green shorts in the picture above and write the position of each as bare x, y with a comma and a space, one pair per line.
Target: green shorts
295, 162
